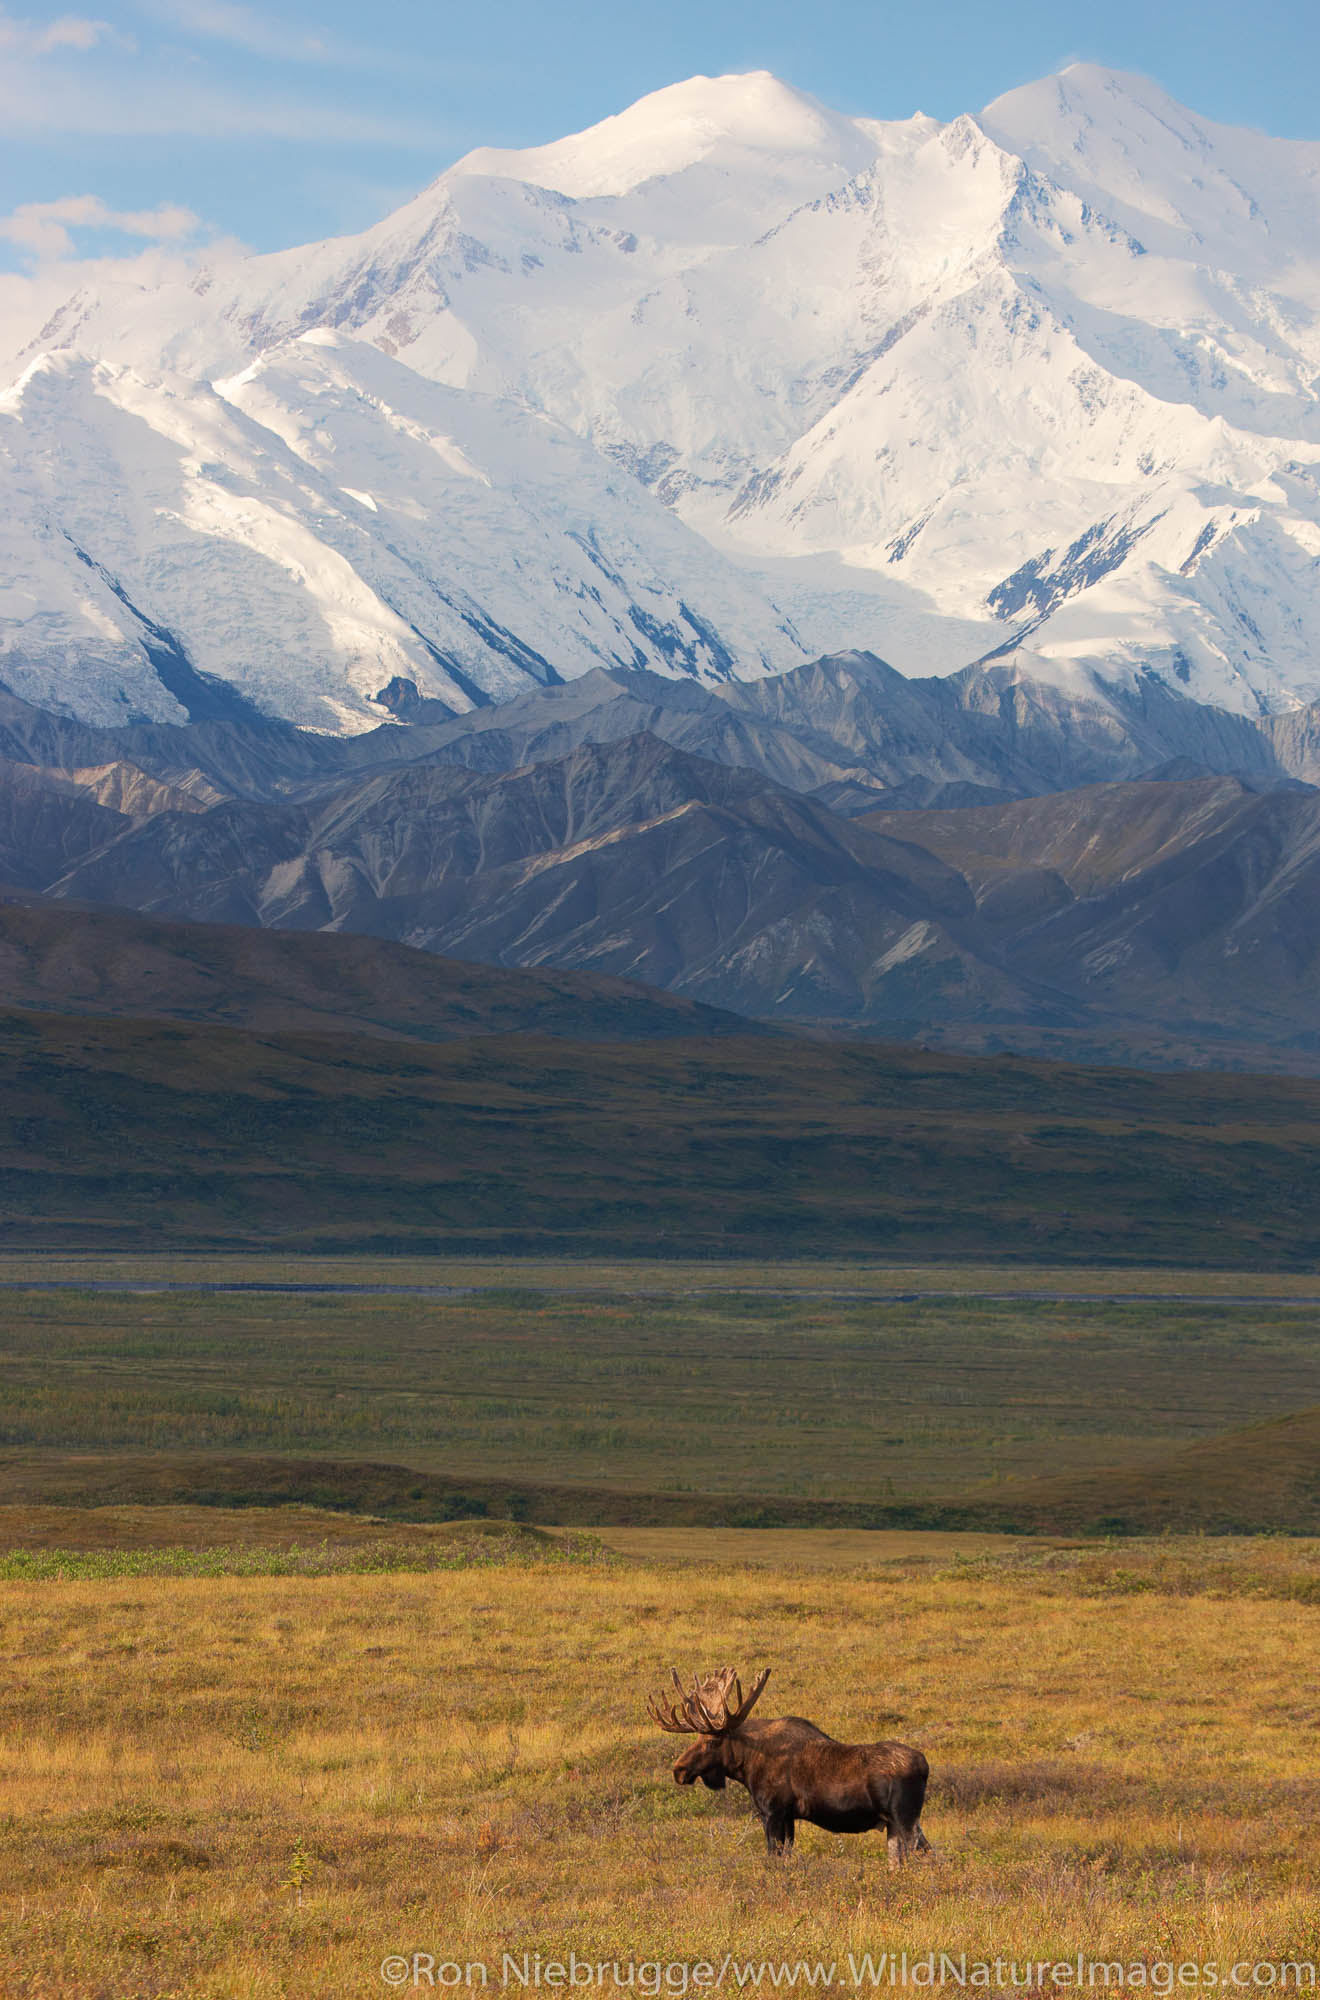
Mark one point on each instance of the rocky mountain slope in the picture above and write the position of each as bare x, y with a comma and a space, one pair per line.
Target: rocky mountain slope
727, 382
630, 858
848, 728
1171, 918
1184, 905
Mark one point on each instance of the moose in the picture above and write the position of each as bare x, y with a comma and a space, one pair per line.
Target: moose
792, 1769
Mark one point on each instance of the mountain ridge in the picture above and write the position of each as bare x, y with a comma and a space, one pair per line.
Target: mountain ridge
767, 382
1146, 915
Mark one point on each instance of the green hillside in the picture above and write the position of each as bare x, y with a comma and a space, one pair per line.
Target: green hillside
148, 1135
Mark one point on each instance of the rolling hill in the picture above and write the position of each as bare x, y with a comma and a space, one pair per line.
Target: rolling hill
72, 959
163, 1134
1260, 1480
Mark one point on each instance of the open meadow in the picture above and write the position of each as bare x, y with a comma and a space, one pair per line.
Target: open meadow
266, 1785
255, 1746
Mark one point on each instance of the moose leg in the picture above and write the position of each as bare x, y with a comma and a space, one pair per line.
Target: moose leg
904, 1817
779, 1830
905, 1840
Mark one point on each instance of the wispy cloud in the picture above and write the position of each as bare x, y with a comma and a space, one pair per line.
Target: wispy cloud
82, 76
170, 90
151, 103
43, 38
43, 229
262, 33
258, 33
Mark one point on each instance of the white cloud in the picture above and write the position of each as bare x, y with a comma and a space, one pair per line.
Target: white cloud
42, 228
112, 87
43, 38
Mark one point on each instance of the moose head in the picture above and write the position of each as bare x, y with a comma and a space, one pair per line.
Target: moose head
713, 1710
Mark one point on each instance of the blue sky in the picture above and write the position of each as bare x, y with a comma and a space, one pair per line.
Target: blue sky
171, 121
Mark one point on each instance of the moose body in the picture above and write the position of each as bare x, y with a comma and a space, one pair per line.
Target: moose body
793, 1771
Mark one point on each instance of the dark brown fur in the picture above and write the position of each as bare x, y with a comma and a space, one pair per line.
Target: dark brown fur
794, 1771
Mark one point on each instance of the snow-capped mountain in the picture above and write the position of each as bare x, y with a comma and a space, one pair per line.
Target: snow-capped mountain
328, 522
726, 382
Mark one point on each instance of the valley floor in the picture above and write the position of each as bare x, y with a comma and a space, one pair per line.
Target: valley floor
139, 1136
837, 1396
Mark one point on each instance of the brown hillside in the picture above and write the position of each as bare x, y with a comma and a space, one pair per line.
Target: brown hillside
1264, 1478
145, 1134
73, 959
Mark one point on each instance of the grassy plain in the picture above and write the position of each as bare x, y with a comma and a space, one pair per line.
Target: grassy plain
654, 1276
800, 1397
259, 1786
251, 1750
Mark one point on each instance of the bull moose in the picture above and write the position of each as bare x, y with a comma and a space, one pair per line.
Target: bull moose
792, 1769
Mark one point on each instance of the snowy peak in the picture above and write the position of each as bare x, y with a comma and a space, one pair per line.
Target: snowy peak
275, 535
1187, 185
725, 382
729, 121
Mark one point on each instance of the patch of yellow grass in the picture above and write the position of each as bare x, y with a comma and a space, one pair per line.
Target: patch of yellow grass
253, 1787
808, 1548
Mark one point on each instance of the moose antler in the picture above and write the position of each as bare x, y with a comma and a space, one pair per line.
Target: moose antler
714, 1705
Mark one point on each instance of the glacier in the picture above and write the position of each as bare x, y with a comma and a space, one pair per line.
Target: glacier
724, 383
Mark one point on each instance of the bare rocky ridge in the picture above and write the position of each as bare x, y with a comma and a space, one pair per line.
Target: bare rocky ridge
47, 826
1168, 919
1191, 906
838, 846
847, 721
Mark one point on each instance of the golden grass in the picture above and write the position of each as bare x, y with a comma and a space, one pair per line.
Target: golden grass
252, 1787
800, 1548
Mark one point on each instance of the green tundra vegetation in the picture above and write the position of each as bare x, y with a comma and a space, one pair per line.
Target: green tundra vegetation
587, 1400
142, 1135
